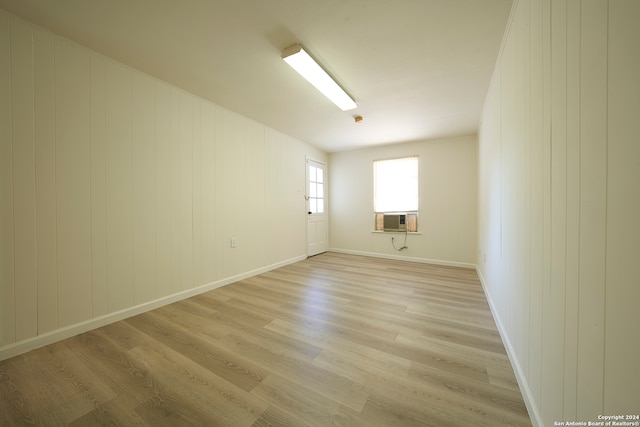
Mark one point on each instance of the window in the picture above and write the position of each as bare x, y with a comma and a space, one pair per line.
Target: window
395, 185
395, 190
316, 189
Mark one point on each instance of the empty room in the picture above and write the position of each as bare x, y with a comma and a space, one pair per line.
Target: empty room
309, 213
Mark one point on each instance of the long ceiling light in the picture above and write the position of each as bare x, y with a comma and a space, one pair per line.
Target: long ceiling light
304, 64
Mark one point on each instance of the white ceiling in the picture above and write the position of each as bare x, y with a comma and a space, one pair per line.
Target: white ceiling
418, 69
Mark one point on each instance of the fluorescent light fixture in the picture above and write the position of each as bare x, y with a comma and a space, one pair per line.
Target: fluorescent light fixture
304, 64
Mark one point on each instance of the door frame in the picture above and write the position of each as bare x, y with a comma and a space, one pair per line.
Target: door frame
325, 202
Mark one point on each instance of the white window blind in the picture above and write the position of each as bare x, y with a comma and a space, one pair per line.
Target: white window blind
395, 185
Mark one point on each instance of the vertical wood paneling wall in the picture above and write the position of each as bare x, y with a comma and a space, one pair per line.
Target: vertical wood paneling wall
118, 190
559, 196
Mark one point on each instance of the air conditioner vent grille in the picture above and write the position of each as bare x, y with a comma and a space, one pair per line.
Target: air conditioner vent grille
395, 222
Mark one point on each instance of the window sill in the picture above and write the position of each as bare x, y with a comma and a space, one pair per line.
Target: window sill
396, 232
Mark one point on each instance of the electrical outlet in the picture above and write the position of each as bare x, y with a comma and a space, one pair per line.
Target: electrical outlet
234, 242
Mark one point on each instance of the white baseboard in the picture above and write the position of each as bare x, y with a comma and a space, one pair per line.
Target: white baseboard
529, 401
21, 347
405, 258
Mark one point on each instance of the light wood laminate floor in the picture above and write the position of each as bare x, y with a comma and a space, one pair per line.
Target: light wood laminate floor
337, 340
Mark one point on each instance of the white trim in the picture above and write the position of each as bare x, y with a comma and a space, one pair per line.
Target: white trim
527, 396
15, 349
325, 199
405, 258
410, 233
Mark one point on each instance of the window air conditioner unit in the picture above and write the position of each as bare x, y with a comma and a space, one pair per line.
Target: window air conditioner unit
395, 222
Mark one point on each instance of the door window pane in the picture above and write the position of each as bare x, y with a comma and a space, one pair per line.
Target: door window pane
315, 193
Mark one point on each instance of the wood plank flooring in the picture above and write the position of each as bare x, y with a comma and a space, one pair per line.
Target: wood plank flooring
336, 340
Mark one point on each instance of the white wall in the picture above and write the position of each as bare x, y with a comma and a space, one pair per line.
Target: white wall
448, 202
118, 191
559, 197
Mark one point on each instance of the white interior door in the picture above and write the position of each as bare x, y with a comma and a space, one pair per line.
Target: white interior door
317, 224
